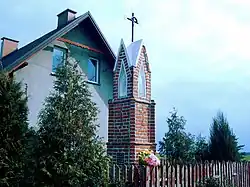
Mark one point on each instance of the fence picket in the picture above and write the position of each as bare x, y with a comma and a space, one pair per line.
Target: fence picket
185, 176
181, 175
163, 174
192, 175
113, 176
170, 174
176, 173
148, 177
248, 167
188, 175
157, 177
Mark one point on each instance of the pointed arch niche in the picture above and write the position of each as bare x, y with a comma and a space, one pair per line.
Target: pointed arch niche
142, 82
122, 81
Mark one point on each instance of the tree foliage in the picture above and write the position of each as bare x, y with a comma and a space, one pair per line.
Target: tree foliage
13, 129
177, 145
201, 149
223, 144
68, 152
180, 146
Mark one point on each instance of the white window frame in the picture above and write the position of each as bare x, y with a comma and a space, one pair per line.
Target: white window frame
126, 78
145, 81
97, 71
65, 56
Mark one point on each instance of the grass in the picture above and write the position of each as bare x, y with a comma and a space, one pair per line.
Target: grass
247, 157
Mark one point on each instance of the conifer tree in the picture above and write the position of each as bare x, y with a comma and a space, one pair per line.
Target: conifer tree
13, 129
223, 145
68, 151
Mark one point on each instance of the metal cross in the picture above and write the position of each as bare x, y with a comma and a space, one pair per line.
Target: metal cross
134, 20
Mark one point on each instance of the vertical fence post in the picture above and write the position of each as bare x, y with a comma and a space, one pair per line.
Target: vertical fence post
131, 174
157, 177
171, 174
230, 172
185, 175
244, 174
201, 171
148, 176
248, 172
167, 173
163, 173
125, 174
188, 175
113, 174
193, 173
176, 173
181, 175
226, 172
220, 172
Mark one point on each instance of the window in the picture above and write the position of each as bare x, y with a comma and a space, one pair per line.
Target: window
122, 82
59, 56
142, 82
93, 70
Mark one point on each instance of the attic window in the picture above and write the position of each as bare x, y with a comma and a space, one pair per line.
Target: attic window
142, 82
59, 57
93, 70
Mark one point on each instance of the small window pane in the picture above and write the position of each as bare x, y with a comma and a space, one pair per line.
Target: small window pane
58, 58
142, 83
93, 70
122, 82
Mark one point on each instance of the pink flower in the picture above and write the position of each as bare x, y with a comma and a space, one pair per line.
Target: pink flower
153, 160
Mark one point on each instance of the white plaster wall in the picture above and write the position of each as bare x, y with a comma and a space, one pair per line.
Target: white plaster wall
39, 84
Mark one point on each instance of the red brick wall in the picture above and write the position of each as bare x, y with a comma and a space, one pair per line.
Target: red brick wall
142, 58
131, 119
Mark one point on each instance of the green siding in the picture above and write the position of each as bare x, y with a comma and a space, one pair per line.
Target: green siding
79, 35
105, 86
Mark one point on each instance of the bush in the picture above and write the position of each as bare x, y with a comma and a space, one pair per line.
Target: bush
210, 182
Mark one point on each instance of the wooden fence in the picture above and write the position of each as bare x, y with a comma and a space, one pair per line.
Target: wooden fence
171, 175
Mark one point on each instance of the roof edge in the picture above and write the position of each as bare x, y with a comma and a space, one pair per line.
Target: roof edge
101, 34
6, 38
139, 52
118, 53
57, 34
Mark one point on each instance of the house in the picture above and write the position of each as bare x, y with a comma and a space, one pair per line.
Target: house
120, 85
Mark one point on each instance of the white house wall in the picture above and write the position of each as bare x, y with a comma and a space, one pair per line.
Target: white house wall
39, 84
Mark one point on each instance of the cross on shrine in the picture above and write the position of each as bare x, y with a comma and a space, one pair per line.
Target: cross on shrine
134, 20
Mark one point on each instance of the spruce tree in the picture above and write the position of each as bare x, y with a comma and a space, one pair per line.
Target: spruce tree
223, 145
13, 129
68, 152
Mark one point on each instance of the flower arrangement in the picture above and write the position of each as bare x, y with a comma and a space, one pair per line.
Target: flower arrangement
148, 158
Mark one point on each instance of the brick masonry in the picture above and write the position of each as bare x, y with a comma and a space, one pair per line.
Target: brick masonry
131, 119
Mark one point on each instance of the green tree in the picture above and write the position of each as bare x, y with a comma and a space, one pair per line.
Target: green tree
177, 145
13, 129
30, 159
201, 149
68, 151
223, 144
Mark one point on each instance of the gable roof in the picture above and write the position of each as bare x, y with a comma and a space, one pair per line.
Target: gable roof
122, 45
18, 56
132, 52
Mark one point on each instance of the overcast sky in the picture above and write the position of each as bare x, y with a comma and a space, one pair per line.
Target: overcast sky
198, 50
